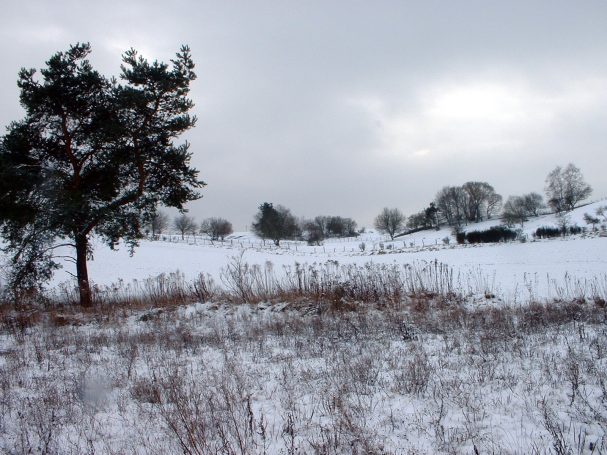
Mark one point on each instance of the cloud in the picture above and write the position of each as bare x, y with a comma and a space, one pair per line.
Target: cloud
346, 107
478, 115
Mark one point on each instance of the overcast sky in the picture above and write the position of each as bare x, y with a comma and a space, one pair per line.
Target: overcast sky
342, 108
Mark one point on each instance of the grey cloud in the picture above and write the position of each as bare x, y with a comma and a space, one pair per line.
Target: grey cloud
278, 84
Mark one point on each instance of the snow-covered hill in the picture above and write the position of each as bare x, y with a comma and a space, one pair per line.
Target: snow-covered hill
516, 271
575, 218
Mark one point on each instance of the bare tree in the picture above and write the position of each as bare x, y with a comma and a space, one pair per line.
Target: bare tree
159, 221
533, 202
418, 221
563, 220
494, 204
451, 203
338, 226
312, 231
589, 219
390, 221
431, 215
565, 188
515, 211
477, 194
216, 228
185, 225
481, 199
321, 222
518, 208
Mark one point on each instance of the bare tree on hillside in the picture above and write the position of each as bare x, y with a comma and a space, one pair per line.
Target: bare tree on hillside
494, 204
312, 232
481, 200
515, 211
589, 219
185, 225
216, 228
534, 202
390, 221
566, 188
451, 203
418, 221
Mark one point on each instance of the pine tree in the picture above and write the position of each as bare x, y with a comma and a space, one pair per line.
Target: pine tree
93, 156
275, 223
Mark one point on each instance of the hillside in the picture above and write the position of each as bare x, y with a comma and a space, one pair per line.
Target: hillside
514, 270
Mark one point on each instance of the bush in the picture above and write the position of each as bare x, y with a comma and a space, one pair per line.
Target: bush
575, 230
546, 232
491, 235
460, 237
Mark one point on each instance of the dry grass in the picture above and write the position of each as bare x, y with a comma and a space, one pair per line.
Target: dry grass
326, 287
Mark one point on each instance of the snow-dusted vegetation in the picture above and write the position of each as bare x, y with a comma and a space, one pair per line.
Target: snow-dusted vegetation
428, 373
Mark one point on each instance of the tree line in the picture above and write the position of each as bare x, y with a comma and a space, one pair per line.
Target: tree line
277, 223
216, 228
454, 206
475, 201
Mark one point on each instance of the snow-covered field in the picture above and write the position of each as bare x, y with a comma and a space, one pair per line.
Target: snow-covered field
516, 271
513, 361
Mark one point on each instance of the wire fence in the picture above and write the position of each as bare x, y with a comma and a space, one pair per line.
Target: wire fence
360, 244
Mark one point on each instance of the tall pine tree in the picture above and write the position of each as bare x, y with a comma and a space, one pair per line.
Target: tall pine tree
93, 156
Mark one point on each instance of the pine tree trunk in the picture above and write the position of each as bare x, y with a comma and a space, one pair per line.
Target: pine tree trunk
82, 272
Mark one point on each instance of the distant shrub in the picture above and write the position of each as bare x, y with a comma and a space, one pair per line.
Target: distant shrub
576, 230
460, 237
546, 232
491, 235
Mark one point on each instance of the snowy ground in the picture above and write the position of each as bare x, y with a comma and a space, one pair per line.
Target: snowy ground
423, 377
